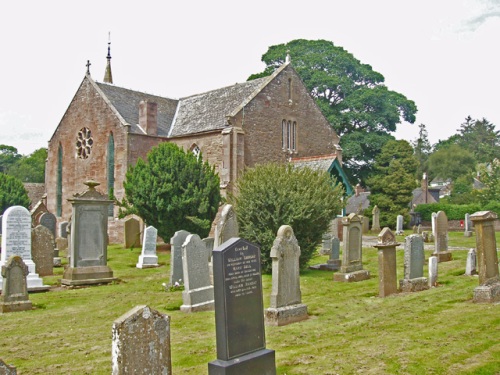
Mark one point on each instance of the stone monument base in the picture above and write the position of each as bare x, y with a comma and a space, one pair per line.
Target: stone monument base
200, 299
468, 233
260, 362
332, 265
487, 293
350, 277
6, 307
205, 306
414, 285
147, 261
443, 256
75, 276
282, 316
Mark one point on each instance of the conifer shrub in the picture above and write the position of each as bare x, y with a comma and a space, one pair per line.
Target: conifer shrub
172, 190
272, 195
12, 193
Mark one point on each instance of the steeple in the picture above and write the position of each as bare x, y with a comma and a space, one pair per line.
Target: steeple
108, 77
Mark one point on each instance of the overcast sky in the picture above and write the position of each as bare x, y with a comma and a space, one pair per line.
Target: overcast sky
442, 54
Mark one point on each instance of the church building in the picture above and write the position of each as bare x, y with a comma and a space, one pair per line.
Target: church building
106, 129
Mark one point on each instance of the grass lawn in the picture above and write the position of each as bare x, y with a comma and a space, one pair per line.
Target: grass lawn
350, 330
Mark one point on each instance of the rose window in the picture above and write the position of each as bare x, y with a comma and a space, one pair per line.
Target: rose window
84, 143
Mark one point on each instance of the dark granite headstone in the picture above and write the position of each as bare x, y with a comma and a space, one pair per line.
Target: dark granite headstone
239, 311
49, 221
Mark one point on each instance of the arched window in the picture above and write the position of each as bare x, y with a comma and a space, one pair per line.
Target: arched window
284, 135
59, 181
289, 135
196, 150
111, 171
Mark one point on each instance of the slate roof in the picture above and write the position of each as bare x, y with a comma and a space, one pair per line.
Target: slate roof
354, 203
322, 163
127, 102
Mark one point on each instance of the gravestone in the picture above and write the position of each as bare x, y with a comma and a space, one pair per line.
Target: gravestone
433, 223
286, 305
365, 224
141, 343
332, 264
419, 229
399, 225
326, 244
433, 271
176, 270
62, 243
42, 250
209, 243
227, 227
468, 226
148, 257
487, 257
470, 266
198, 293
49, 221
132, 233
15, 287
63, 229
16, 240
239, 318
89, 239
376, 219
5, 369
441, 238
351, 269
414, 258
1, 216
387, 272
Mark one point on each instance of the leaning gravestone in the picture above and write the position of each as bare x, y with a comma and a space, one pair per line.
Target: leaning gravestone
176, 270
148, 257
487, 257
387, 272
49, 221
399, 225
42, 250
89, 239
15, 289
5, 369
132, 233
286, 305
414, 258
470, 266
352, 265
376, 219
16, 240
198, 293
441, 238
141, 343
239, 318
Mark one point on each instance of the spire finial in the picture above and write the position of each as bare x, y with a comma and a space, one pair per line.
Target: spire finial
88, 66
108, 77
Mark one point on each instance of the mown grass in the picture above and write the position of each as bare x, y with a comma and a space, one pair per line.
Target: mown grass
350, 329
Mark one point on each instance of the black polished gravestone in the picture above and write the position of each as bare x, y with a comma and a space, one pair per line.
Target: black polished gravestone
239, 312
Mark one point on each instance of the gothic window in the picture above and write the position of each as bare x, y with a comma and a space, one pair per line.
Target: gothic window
59, 182
289, 135
111, 171
84, 143
289, 90
196, 150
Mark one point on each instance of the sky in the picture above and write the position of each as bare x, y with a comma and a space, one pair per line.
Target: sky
442, 54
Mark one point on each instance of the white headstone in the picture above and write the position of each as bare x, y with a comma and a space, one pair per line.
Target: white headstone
148, 257
470, 266
433, 271
433, 222
176, 271
399, 225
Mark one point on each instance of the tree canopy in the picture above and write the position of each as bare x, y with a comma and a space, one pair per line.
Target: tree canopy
451, 162
30, 168
351, 95
12, 193
173, 190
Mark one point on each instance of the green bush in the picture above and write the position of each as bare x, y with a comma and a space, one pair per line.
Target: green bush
173, 190
455, 211
273, 195
12, 193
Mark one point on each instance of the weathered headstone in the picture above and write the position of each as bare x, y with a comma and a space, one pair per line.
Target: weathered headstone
209, 243
62, 243
89, 239
326, 244
63, 229
176, 270
15, 287
441, 238
132, 233
286, 305
376, 219
6, 369
352, 265
227, 227
487, 257
42, 250
470, 266
16, 240
419, 229
387, 272
365, 224
141, 343
468, 226
399, 225
239, 318
49, 221
414, 258
433, 271
198, 293
332, 264
433, 223
148, 257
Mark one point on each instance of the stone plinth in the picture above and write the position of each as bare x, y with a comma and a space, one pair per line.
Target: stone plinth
414, 285
387, 263
286, 315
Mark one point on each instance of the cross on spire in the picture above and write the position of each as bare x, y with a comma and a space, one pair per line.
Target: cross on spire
88, 66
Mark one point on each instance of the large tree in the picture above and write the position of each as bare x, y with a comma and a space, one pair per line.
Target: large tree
173, 190
422, 149
30, 168
351, 95
451, 162
12, 193
8, 157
